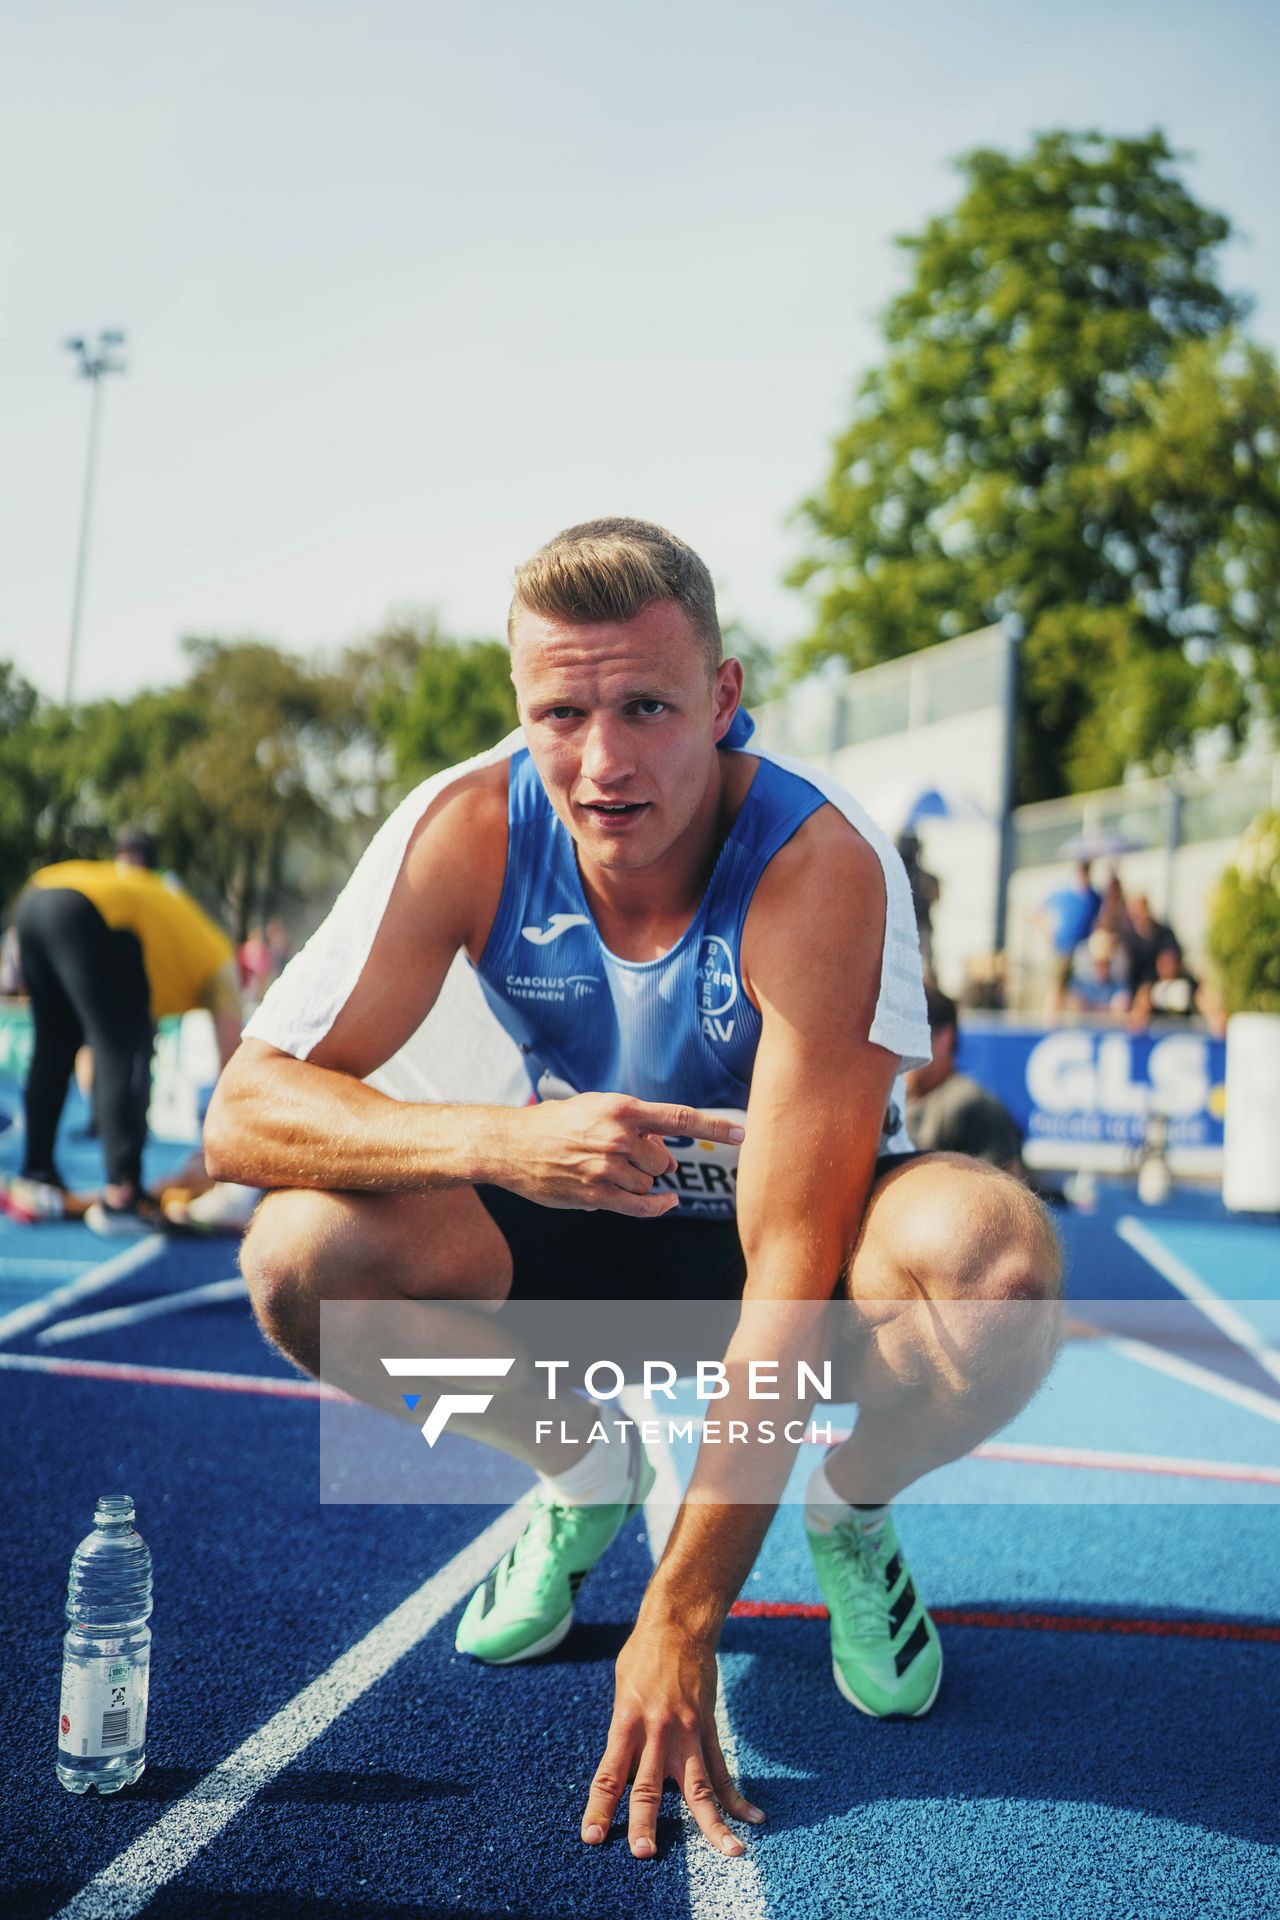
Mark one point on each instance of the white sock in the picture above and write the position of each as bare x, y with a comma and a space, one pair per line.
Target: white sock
824, 1509
600, 1477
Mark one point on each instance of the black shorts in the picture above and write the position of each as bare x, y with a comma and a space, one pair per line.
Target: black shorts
561, 1255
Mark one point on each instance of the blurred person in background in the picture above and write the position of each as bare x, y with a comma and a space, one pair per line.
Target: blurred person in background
947, 1111
1068, 916
1142, 940
10, 965
950, 1112
1099, 982
1113, 914
1172, 993
255, 962
108, 949
926, 891
262, 958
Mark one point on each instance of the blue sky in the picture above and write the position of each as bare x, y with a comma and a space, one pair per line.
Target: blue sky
410, 286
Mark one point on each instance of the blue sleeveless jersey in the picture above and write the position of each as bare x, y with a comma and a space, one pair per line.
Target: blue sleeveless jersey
679, 1028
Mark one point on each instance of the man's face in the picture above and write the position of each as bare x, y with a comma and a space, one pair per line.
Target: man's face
622, 720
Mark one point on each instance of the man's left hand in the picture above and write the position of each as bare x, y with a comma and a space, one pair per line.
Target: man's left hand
664, 1728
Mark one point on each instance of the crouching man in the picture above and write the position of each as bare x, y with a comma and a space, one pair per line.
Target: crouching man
746, 949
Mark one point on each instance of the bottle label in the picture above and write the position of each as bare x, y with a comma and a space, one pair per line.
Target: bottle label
103, 1710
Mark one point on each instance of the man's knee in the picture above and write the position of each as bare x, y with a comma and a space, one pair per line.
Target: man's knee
278, 1258
956, 1281
1012, 1251
962, 1230
304, 1248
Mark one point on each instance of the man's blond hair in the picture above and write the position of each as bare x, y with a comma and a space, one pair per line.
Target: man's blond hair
612, 570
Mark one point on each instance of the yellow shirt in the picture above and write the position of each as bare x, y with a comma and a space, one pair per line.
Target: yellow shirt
181, 948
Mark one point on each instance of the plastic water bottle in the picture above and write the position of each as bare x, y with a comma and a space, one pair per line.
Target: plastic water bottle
106, 1656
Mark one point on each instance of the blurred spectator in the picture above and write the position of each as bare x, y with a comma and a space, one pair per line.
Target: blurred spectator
1099, 983
261, 959
1113, 914
1068, 916
1173, 994
925, 894
107, 950
254, 960
10, 965
949, 1112
1143, 939
280, 944
984, 983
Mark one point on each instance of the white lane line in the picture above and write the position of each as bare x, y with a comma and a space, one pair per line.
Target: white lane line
132, 1880
114, 1317
1136, 1234
104, 1274
36, 1267
663, 1504
279, 1386
719, 1888
1186, 1370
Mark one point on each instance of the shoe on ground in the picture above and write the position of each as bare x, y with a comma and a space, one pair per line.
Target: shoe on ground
885, 1654
136, 1221
525, 1607
223, 1207
28, 1201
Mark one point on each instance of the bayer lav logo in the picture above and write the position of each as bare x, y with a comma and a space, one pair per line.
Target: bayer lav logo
717, 987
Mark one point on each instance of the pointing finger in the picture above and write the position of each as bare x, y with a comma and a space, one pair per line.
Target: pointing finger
689, 1121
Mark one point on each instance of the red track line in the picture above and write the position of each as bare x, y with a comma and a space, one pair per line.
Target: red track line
292, 1389
1043, 1622
1095, 1460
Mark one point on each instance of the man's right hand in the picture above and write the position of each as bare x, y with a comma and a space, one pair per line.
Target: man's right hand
600, 1152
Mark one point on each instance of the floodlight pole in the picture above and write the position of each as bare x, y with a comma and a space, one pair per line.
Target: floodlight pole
93, 365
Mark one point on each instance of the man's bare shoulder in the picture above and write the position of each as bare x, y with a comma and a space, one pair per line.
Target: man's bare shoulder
465, 822
451, 875
819, 908
827, 862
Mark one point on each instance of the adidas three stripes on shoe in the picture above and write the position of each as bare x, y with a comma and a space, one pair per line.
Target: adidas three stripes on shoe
525, 1607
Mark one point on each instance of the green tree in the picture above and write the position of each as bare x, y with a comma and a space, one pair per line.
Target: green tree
250, 757
1244, 922
762, 671
252, 761
18, 791
1067, 428
431, 700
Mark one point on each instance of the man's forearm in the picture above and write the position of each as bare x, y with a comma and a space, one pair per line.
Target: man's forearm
291, 1124
735, 1489
702, 1571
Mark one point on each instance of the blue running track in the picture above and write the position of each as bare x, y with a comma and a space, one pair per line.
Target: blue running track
1107, 1579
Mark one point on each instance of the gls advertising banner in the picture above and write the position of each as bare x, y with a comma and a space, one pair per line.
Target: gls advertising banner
1083, 1095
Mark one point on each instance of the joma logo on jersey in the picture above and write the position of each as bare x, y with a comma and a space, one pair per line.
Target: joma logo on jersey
717, 987
559, 923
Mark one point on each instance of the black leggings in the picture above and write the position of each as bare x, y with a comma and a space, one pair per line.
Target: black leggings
87, 982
